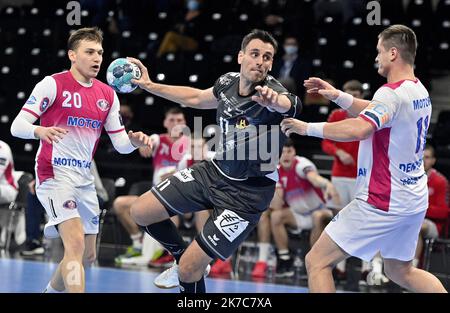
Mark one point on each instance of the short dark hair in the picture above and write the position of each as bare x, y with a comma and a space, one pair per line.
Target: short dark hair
174, 110
289, 143
262, 35
354, 85
403, 38
86, 33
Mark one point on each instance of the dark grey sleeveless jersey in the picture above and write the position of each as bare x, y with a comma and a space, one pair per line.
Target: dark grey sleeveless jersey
251, 138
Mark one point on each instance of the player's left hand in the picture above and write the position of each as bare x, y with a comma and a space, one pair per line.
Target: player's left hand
267, 97
291, 125
139, 139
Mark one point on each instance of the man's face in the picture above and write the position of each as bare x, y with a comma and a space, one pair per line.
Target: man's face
173, 120
428, 159
256, 60
287, 157
87, 58
383, 59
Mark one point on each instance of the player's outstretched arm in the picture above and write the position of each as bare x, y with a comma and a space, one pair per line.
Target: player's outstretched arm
186, 96
351, 129
346, 101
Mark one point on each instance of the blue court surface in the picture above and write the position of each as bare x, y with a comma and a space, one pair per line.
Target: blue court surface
32, 276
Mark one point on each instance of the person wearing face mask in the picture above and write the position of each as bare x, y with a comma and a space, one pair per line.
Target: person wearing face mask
292, 65
184, 35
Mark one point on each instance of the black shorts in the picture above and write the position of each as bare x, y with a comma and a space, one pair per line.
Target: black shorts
236, 205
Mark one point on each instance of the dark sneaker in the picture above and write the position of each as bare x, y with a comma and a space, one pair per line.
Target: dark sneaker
33, 248
285, 268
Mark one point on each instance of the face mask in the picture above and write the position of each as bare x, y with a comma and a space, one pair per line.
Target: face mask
290, 49
192, 5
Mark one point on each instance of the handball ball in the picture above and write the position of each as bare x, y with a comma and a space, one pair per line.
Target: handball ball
120, 73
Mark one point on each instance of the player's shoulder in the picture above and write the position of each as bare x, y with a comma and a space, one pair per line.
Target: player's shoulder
59, 75
402, 83
228, 78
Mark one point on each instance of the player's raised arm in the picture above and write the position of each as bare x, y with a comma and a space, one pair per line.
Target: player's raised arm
186, 96
343, 99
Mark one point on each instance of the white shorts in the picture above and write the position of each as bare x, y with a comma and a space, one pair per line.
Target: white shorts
304, 221
362, 231
7, 194
345, 187
63, 202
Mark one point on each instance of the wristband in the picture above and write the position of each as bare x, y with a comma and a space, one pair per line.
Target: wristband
315, 129
344, 100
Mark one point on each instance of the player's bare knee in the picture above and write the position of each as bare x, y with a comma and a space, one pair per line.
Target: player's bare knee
309, 261
118, 206
139, 213
276, 217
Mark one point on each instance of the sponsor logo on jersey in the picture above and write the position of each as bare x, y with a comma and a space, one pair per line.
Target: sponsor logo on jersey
410, 180
421, 103
411, 166
31, 100
58, 161
242, 122
83, 122
44, 104
103, 105
70, 204
362, 171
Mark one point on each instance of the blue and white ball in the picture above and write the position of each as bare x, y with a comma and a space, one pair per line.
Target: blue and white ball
120, 73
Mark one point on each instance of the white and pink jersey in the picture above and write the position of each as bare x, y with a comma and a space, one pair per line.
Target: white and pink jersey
391, 175
299, 194
83, 109
167, 154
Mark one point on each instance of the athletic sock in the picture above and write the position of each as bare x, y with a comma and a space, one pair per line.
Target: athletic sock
264, 249
195, 287
166, 233
137, 241
50, 289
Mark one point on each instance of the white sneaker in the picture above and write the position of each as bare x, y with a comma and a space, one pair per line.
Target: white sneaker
169, 278
134, 261
376, 279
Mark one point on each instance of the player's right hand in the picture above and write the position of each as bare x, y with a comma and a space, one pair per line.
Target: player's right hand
317, 85
50, 134
145, 80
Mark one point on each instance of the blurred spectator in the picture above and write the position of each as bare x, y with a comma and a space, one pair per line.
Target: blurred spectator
292, 65
185, 34
8, 182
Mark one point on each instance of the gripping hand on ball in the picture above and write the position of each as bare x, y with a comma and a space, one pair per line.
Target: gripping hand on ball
144, 82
